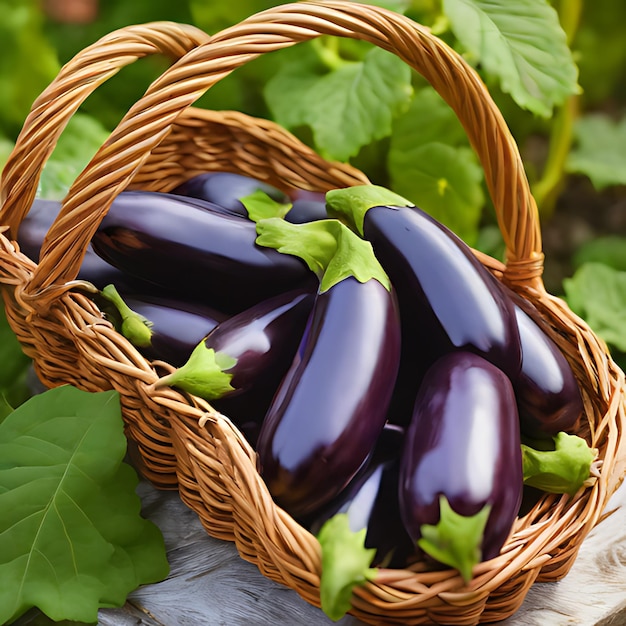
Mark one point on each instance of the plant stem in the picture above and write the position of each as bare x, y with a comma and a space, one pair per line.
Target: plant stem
327, 49
548, 188
546, 191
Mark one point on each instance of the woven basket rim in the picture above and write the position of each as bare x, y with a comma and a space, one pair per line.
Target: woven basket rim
215, 469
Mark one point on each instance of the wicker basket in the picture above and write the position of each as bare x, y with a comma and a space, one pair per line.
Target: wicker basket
181, 441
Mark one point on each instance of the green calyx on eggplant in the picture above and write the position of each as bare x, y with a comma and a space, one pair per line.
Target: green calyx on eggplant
351, 204
448, 300
341, 573
562, 465
205, 374
134, 326
462, 450
330, 250
304, 207
238, 365
361, 529
455, 539
226, 189
331, 405
176, 326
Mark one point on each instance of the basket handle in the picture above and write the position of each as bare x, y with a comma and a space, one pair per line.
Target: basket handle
151, 118
77, 79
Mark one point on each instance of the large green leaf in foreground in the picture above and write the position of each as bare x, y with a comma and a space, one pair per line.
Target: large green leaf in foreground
71, 536
13, 364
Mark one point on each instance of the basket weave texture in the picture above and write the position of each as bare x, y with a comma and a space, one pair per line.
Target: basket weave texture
180, 440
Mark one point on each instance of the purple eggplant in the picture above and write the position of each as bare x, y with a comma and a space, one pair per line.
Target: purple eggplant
226, 190
194, 251
307, 206
548, 395
448, 300
263, 340
95, 270
254, 350
461, 474
370, 502
331, 406
175, 326
36, 225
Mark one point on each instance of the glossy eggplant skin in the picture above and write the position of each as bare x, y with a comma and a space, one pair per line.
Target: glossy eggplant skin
331, 405
194, 251
35, 226
303, 211
177, 326
463, 442
94, 269
263, 339
370, 501
307, 206
33, 230
226, 190
448, 300
548, 396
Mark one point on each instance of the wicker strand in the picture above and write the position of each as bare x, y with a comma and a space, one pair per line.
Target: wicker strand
179, 440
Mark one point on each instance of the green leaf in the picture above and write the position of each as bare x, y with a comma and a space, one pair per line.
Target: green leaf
28, 61
71, 536
445, 182
347, 107
330, 249
260, 206
563, 469
77, 145
399, 6
609, 250
5, 408
13, 361
597, 293
205, 374
456, 539
213, 16
287, 92
350, 204
522, 44
345, 564
134, 326
428, 119
431, 163
600, 152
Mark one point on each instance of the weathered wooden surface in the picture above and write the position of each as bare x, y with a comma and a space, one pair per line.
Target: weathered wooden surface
210, 585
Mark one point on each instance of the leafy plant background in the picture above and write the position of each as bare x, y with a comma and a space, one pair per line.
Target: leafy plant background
556, 69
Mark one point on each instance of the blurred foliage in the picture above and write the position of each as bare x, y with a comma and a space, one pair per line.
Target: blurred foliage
555, 69
28, 61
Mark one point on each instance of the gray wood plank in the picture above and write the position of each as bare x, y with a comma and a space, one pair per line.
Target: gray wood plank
594, 591
210, 585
